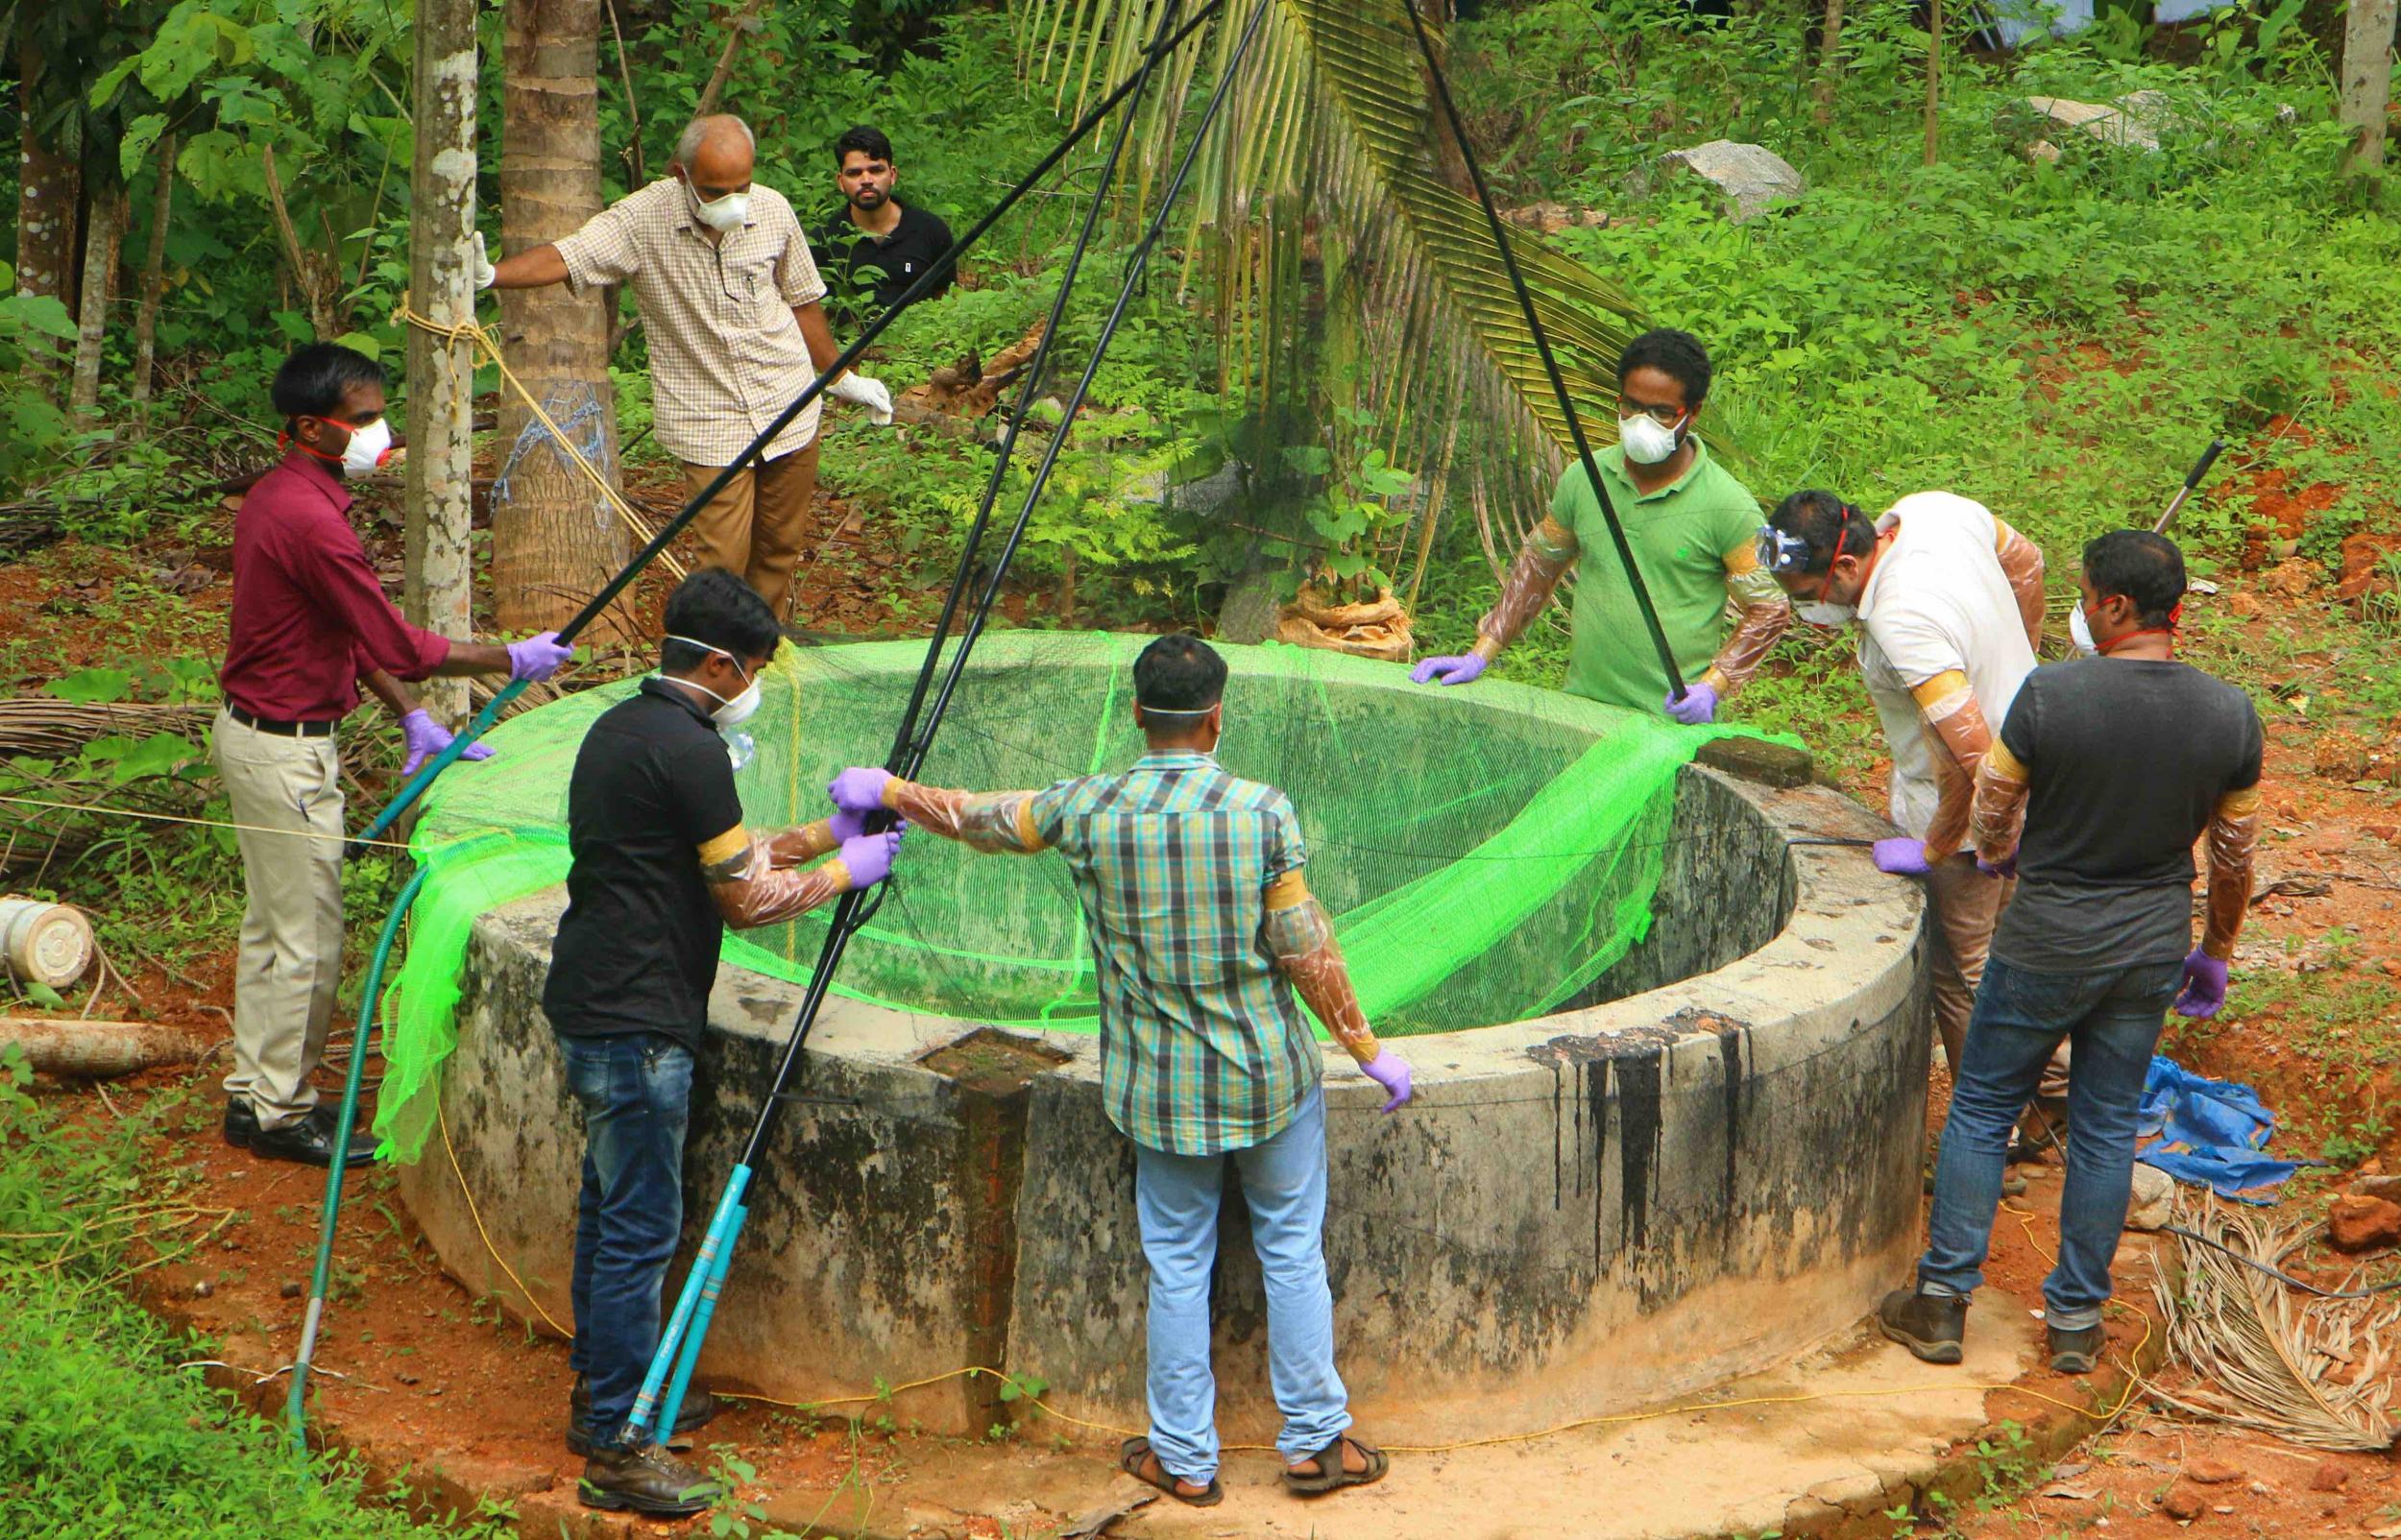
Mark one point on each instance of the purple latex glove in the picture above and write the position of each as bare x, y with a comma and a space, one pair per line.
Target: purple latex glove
427, 737
2005, 867
537, 658
869, 857
1697, 709
1466, 668
1390, 1070
846, 826
2205, 985
1902, 857
859, 790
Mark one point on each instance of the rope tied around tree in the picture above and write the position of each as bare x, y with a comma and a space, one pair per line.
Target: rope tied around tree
472, 330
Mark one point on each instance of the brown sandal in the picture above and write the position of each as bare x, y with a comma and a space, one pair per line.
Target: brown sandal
1330, 1476
1136, 1453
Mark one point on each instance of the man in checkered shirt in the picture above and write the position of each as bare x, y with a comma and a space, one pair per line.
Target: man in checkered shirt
730, 305
1203, 929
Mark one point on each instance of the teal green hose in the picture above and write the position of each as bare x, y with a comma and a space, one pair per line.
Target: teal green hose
296, 1405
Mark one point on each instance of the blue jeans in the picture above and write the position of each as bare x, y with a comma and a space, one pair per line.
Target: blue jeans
1283, 1182
635, 1092
2113, 1017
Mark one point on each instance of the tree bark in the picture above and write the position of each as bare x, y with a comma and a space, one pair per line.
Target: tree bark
1828, 62
556, 539
1933, 80
153, 271
95, 1050
48, 186
104, 239
735, 30
442, 371
2366, 83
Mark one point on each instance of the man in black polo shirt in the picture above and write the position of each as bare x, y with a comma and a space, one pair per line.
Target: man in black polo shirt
877, 247
662, 863
2106, 771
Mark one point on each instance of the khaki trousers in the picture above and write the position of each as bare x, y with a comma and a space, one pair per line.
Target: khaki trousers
290, 960
1967, 909
758, 526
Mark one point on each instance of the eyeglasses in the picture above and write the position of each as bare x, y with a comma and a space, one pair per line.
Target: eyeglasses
1667, 417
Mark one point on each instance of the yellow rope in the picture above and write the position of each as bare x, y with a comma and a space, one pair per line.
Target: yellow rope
475, 1213
204, 823
470, 330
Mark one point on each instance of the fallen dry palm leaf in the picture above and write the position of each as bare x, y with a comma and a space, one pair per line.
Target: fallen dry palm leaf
2313, 1371
41, 726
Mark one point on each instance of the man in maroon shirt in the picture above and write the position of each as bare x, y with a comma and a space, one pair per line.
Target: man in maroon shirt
310, 624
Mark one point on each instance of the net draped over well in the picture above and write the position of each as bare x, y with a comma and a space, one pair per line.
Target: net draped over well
1486, 851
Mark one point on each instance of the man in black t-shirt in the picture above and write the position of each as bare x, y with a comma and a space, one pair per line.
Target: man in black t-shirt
2110, 767
878, 246
663, 864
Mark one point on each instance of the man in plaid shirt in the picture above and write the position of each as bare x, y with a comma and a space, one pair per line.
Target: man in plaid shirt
731, 305
1203, 929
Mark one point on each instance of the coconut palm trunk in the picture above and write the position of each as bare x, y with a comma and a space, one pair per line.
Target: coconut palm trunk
554, 536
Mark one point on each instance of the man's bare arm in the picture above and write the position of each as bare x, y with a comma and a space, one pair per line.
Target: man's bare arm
534, 268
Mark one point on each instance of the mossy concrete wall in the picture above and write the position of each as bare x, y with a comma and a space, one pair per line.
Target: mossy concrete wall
1593, 1211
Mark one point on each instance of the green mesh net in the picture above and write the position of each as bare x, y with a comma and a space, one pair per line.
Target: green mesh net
1487, 852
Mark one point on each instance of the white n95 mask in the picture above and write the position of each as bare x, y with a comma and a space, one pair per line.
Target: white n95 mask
369, 448
2081, 634
1827, 616
1645, 441
730, 212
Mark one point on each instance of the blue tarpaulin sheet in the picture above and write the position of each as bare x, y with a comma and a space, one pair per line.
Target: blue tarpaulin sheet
2210, 1132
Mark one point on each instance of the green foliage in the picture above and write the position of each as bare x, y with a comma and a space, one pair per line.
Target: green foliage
113, 1431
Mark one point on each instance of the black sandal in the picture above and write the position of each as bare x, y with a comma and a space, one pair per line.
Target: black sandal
1330, 1476
1136, 1453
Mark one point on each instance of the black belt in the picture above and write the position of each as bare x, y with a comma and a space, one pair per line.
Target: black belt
281, 729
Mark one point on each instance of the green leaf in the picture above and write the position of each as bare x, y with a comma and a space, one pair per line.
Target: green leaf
93, 686
43, 313
43, 995
362, 342
293, 326
139, 135
105, 92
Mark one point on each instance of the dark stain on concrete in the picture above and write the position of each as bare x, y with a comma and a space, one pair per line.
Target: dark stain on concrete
1642, 1128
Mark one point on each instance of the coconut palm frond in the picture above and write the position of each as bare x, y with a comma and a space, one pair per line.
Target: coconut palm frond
1328, 151
2313, 1371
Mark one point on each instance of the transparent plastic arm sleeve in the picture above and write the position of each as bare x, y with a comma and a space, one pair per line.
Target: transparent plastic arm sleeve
1762, 612
2233, 839
1997, 818
807, 843
1948, 707
1532, 579
751, 890
1301, 940
2022, 562
998, 823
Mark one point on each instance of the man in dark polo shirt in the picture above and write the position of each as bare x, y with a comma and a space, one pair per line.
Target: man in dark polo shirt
878, 246
2110, 768
663, 864
310, 624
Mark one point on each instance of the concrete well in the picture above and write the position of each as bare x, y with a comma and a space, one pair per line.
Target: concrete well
1706, 1162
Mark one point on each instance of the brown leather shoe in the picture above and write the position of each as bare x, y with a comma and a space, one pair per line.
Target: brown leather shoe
1931, 1326
646, 1481
699, 1409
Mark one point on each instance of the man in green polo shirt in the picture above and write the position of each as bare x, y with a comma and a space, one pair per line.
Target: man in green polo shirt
1693, 529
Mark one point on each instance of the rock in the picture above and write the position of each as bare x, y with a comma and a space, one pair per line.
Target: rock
2184, 1502
1752, 178
203, 1289
2340, 757
2371, 563
2292, 578
1548, 219
2355, 1223
2370, 1186
2244, 606
2154, 1201
2329, 1477
2045, 151
2133, 119
2209, 1471
291, 1288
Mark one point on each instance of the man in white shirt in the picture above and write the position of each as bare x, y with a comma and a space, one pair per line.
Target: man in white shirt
1948, 602
730, 308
